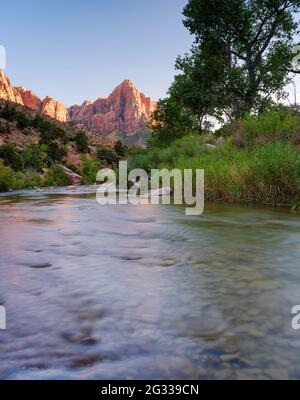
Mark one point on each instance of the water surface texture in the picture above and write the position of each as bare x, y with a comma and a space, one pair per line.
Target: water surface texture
144, 292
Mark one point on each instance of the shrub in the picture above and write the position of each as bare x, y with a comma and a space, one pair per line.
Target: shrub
6, 179
56, 177
27, 179
3, 127
55, 152
9, 113
34, 157
23, 121
81, 141
11, 157
89, 170
120, 149
107, 155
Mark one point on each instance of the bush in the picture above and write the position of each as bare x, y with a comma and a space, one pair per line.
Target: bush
27, 179
49, 130
55, 152
89, 170
9, 113
11, 157
6, 179
34, 157
23, 121
120, 149
56, 177
81, 141
3, 127
107, 155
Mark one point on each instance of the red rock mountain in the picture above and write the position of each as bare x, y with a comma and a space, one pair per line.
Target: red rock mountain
27, 98
125, 110
125, 113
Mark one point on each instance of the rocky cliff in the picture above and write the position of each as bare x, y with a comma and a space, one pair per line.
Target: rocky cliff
122, 115
7, 91
27, 98
126, 110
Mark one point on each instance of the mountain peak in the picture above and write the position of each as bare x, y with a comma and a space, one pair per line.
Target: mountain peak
126, 111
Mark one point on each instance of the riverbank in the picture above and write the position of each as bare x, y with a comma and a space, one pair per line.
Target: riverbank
267, 174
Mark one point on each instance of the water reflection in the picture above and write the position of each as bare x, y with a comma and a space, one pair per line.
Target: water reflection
146, 292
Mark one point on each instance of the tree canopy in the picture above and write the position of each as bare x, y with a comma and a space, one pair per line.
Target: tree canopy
242, 58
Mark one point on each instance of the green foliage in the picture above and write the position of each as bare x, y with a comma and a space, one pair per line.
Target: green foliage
34, 157
120, 149
9, 113
266, 174
241, 59
50, 131
27, 179
254, 40
55, 152
278, 125
89, 170
81, 141
11, 157
6, 178
56, 177
11, 180
23, 121
170, 121
3, 127
107, 155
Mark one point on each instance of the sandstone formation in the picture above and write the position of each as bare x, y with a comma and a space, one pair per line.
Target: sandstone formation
125, 110
8, 92
53, 109
27, 98
30, 99
122, 115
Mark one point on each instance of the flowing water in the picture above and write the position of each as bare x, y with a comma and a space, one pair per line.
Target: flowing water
145, 292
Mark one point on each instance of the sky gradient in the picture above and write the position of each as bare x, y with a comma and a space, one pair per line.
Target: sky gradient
73, 50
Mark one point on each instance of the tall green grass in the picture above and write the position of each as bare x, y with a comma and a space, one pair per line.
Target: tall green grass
266, 174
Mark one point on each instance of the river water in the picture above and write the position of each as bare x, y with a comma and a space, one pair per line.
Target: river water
145, 292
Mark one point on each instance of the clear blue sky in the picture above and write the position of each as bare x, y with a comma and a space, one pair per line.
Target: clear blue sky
74, 50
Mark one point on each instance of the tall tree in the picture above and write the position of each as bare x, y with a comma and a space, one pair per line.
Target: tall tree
255, 39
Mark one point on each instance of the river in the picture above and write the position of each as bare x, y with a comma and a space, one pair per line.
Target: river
145, 292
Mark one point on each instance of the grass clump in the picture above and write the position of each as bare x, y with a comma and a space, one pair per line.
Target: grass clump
265, 174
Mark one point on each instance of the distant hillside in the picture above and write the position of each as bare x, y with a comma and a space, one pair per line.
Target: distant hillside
36, 150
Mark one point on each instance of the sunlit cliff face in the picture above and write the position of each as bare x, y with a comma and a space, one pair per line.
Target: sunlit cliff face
125, 110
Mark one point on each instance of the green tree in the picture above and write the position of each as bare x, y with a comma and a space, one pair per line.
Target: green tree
34, 157
254, 40
81, 141
107, 155
55, 152
120, 149
11, 157
170, 121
